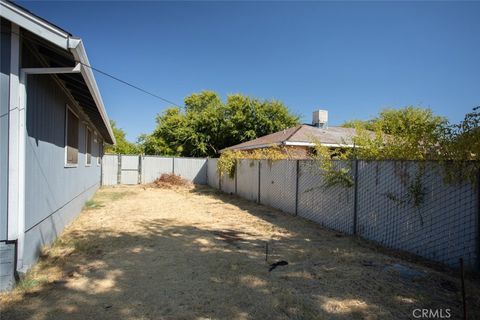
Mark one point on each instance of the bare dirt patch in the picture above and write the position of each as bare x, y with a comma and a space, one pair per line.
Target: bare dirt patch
149, 253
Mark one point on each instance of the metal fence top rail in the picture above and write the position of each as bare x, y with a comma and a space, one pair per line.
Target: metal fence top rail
153, 156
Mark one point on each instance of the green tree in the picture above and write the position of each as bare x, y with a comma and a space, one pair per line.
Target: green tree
413, 134
462, 141
356, 123
409, 133
123, 146
206, 124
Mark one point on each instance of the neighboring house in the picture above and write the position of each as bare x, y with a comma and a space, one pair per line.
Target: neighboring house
300, 140
52, 128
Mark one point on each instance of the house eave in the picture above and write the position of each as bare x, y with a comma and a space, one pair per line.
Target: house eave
257, 146
78, 51
289, 143
310, 144
34, 24
65, 41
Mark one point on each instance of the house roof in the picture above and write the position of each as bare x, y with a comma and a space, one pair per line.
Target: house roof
301, 135
60, 49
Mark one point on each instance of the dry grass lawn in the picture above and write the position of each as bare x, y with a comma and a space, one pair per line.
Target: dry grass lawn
148, 253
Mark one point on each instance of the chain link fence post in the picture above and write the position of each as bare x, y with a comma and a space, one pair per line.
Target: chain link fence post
478, 220
355, 198
296, 186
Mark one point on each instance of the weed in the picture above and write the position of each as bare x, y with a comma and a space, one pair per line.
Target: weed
417, 192
93, 204
113, 196
31, 281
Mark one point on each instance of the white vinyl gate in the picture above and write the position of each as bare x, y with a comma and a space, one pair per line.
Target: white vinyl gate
133, 169
129, 169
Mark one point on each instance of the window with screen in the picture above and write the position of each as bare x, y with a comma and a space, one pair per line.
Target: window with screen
88, 147
71, 140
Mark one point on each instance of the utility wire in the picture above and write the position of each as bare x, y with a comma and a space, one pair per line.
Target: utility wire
129, 84
117, 79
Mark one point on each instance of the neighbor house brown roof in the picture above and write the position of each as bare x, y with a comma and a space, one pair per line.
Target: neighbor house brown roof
301, 135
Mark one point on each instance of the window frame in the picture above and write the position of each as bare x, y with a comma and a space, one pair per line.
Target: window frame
66, 163
88, 134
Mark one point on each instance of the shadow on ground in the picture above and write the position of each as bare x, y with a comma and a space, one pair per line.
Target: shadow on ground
158, 264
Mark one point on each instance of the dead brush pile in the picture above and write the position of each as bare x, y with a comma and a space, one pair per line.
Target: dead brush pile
171, 180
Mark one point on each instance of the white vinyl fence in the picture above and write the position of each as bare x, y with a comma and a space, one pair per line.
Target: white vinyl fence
133, 169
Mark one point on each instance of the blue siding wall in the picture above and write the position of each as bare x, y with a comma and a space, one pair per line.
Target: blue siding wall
55, 194
4, 106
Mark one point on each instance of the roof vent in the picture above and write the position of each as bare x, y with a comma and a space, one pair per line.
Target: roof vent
320, 118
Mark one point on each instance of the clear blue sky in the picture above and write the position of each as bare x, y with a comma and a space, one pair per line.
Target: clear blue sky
352, 58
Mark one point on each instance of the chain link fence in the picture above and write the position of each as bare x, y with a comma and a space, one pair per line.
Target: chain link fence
248, 179
228, 184
408, 206
278, 184
330, 206
403, 205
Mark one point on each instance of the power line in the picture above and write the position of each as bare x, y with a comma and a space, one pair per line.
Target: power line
130, 85
117, 79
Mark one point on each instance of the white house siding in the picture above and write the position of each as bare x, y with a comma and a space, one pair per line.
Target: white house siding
54, 193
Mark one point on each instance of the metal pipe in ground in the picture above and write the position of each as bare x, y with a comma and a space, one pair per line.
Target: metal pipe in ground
266, 251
